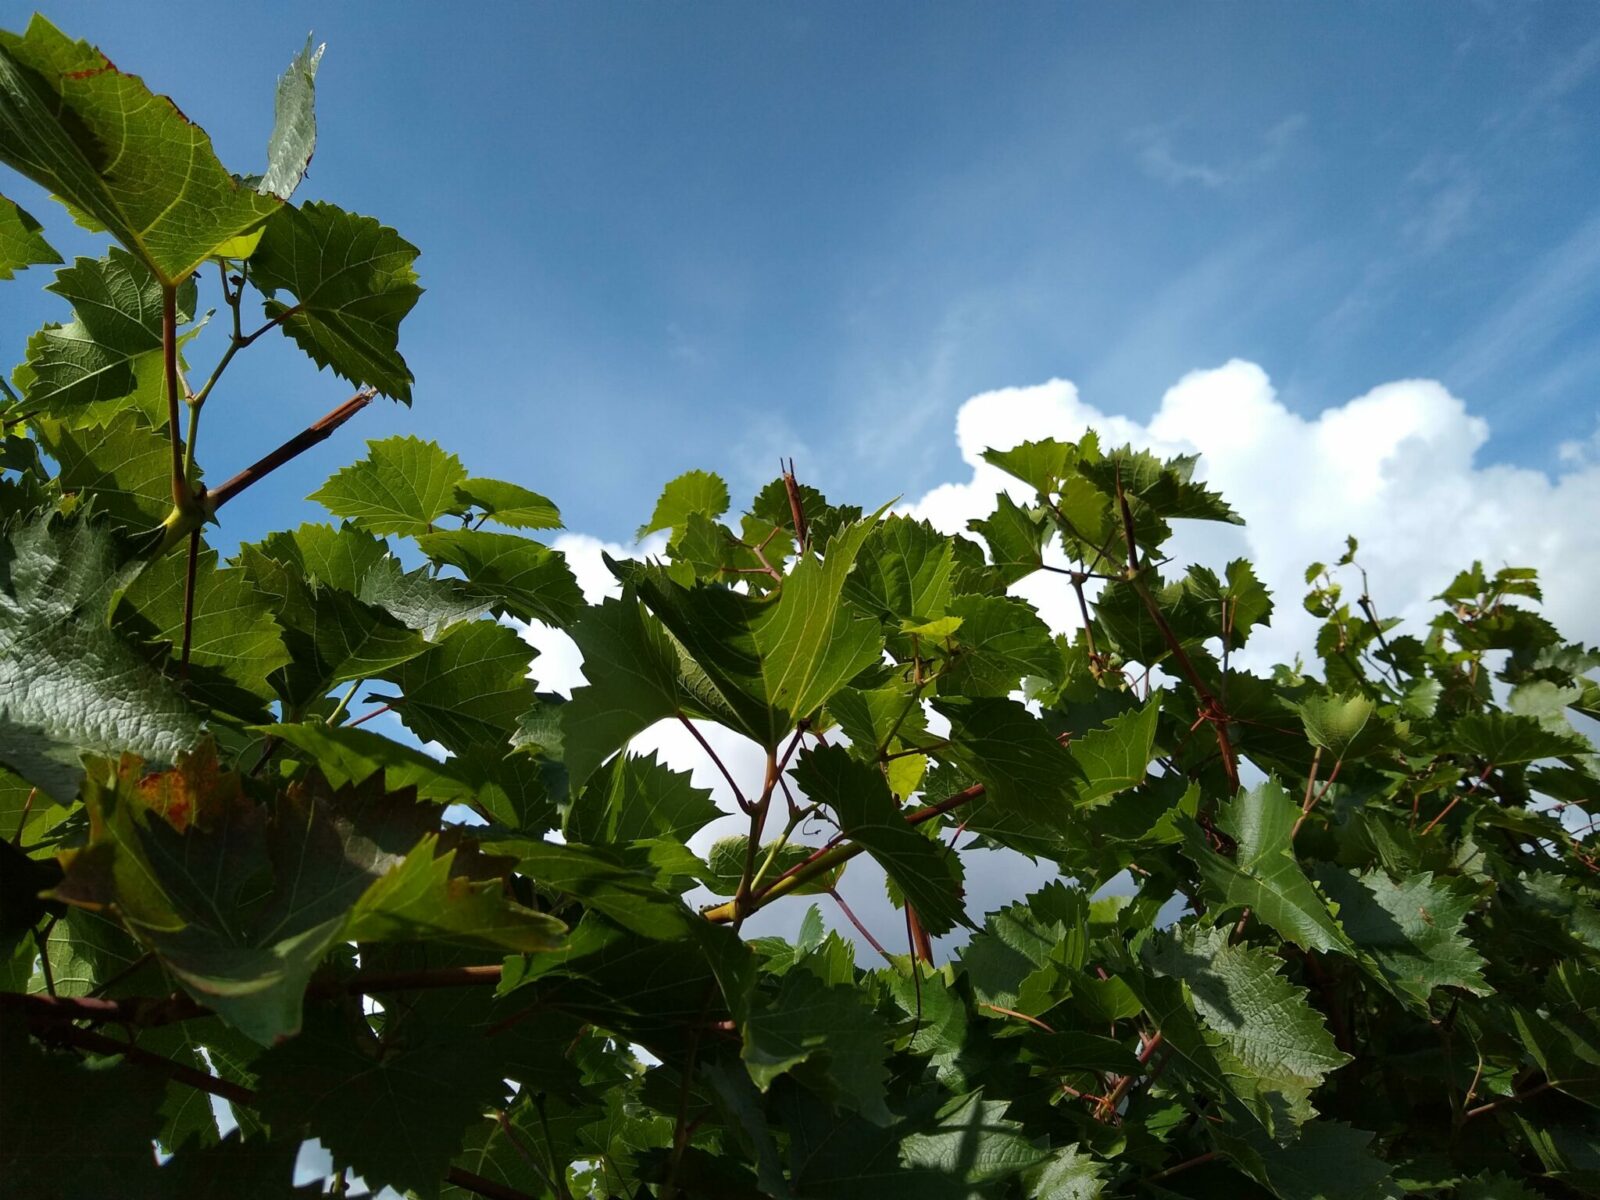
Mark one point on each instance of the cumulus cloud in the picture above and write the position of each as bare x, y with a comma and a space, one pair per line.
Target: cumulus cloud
1401, 468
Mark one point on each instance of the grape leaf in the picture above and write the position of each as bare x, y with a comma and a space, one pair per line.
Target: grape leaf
632, 666
828, 1029
232, 631
694, 492
352, 282
1015, 537
868, 815
427, 898
1001, 640
294, 125
637, 797
100, 140
123, 467
1001, 744
904, 571
1116, 756
395, 1109
1412, 930
509, 505
114, 335
524, 579
403, 486
68, 683
1274, 1048
469, 689
1265, 876
22, 245
239, 899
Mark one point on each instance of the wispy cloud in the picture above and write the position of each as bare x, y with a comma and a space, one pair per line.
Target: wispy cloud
1549, 299
1158, 158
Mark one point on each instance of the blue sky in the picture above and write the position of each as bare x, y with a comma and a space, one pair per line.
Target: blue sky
659, 236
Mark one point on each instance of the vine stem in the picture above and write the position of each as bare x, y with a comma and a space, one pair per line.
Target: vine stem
826, 859
744, 805
860, 928
190, 581
181, 499
1214, 712
318, 431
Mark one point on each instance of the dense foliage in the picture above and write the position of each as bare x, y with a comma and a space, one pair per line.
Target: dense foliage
476, 972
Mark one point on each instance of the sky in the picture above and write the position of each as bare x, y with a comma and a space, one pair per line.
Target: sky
657, 237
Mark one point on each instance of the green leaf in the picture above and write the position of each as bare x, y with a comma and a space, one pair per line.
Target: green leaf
1265, 876
1015, 536
811, 642
509, 505
1233, 605
395, 1110
1412, 930
760, 666
97, 138
22, 245
469, 689
623, 884
1504, 738
1039, 464
240, 900
1330, 1161
526, 580
427, 898
973, 1142
1000, 641
44, 1093
693, 492
114, 337
123, 467
1336, 723
348, 757
1068, 1174
352, 282
636, 798
68, 684
904, 571
868, 815
403, 486
1015, 945
294, 125
632, 665
232, 632
1005, 747
1275, 1048
1116, 756
332, 637
830, 1031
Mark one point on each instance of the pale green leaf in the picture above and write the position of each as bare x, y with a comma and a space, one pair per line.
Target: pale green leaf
294, 125
403, 486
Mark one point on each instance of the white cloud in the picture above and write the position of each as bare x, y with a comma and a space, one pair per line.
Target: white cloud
1398, 467
559, 667
1159, 160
